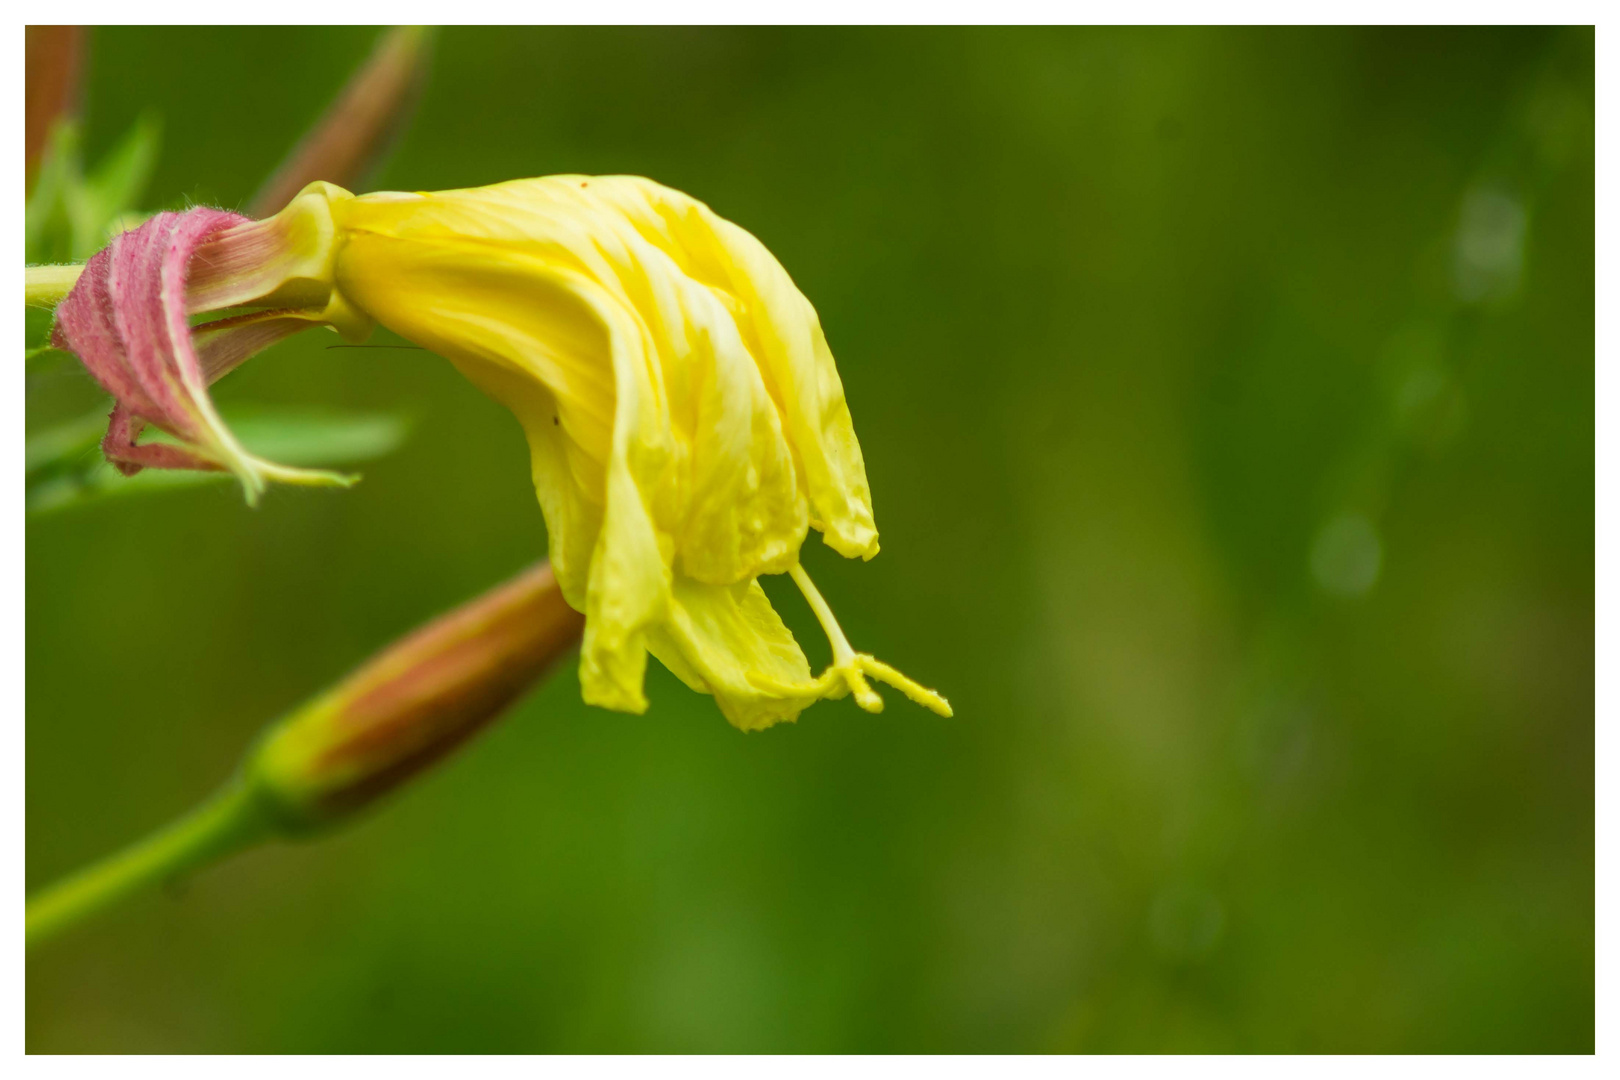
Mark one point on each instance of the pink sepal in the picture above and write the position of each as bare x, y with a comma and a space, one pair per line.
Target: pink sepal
126, 319
129, 458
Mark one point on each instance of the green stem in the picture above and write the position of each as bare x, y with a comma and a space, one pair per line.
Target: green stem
47, 285
231, 820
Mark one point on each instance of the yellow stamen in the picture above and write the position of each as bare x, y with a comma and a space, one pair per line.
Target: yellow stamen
928, 699
849, 669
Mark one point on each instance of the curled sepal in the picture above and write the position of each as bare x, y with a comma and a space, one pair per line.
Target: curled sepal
126, 319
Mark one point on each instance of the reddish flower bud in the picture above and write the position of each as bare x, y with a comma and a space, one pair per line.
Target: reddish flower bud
357, 131
53, 69
413, 703
399, 713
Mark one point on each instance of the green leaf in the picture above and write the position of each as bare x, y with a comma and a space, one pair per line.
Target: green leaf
70, 216
57, 446
65, 467
36, 333
47, 231
316, 437
116, 185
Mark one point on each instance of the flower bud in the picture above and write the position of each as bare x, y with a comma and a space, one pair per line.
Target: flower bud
357, 131
412, 703
402, 711
53, 73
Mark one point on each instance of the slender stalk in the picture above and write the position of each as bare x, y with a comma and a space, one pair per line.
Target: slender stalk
846, 662
843, 652
232, 820
48, 285
400, 713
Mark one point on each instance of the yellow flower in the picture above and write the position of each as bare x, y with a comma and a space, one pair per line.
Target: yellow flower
685, 420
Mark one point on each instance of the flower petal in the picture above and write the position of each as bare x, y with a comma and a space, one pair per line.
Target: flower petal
791, 349
727, 640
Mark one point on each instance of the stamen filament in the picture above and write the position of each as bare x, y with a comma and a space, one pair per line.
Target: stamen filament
829, 624
845, 662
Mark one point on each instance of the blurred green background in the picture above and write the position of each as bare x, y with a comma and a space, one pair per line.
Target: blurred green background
1227, 398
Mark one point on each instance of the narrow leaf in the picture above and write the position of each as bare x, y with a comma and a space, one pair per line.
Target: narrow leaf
65, 467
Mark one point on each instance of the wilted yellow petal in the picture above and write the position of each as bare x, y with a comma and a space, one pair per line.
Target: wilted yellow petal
685, 420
